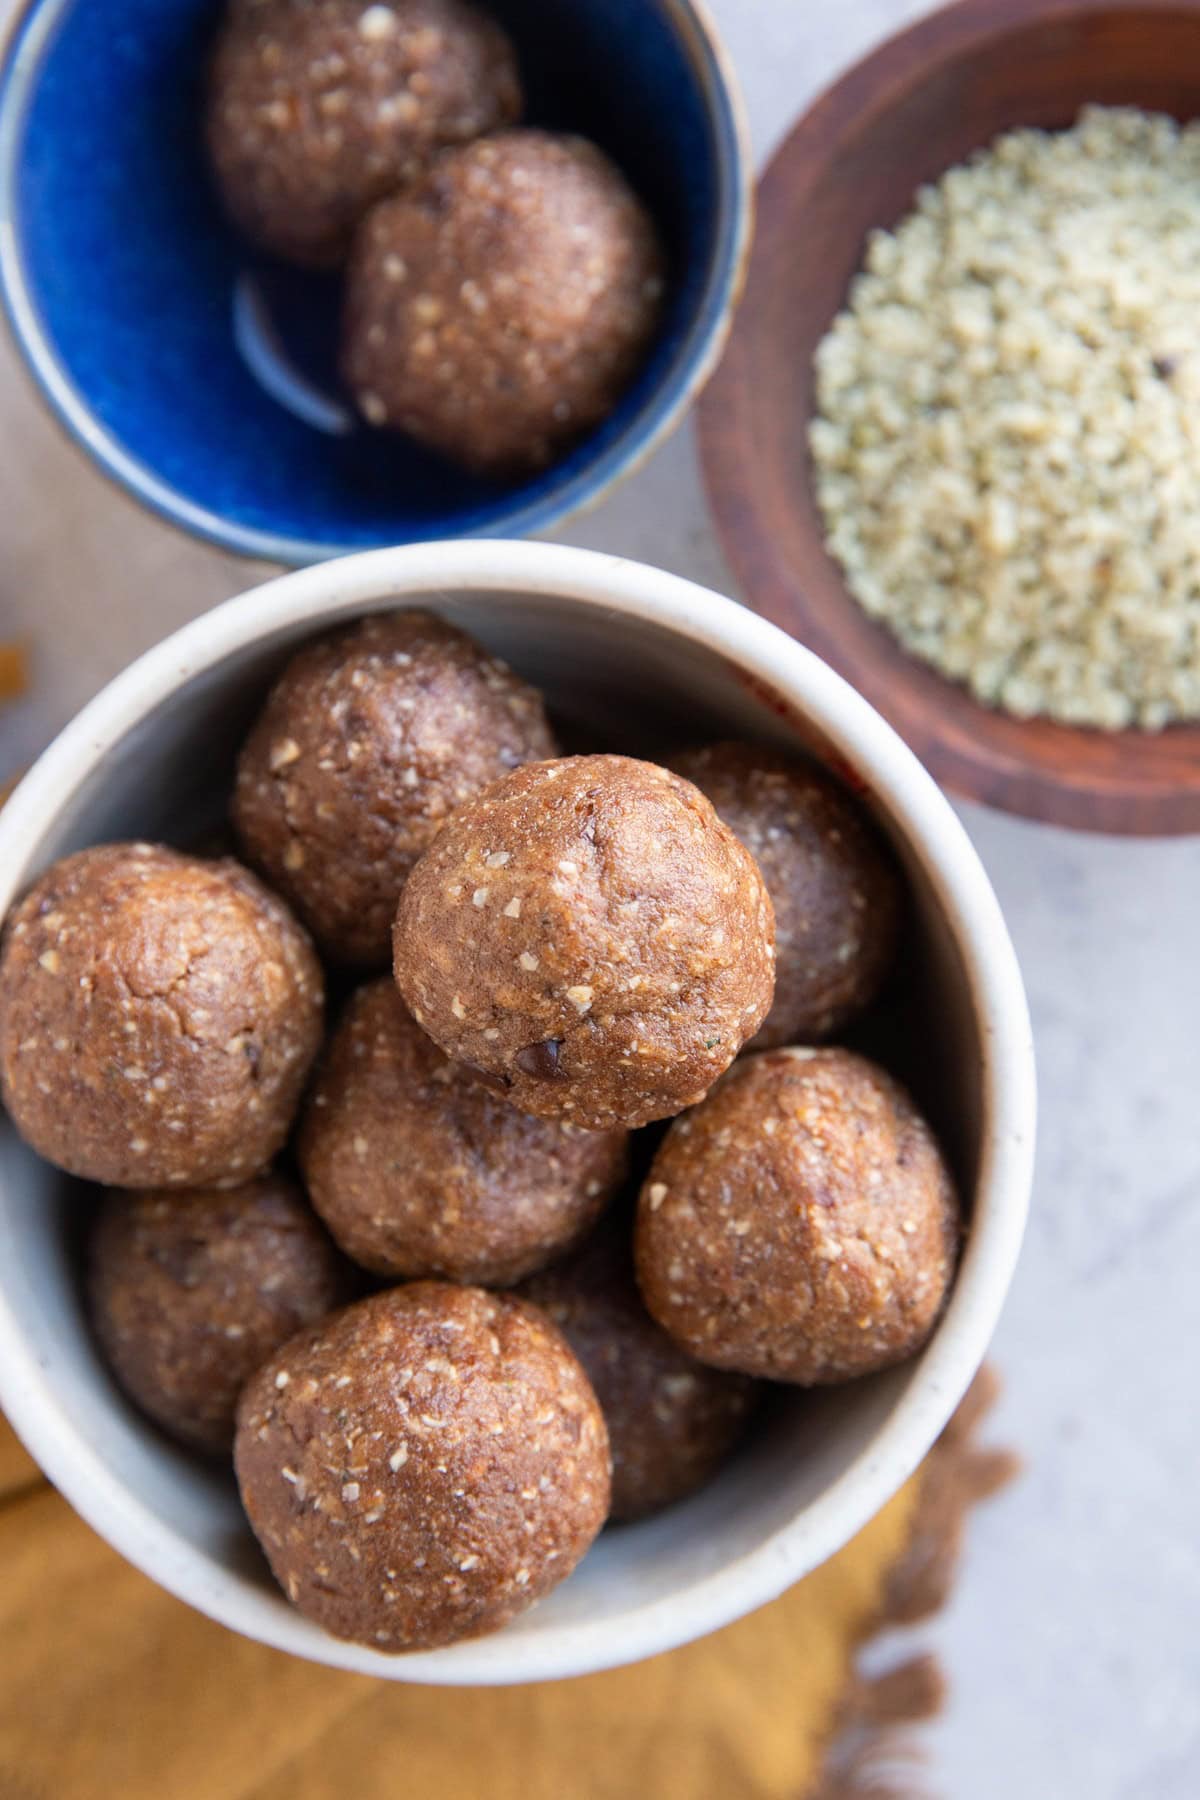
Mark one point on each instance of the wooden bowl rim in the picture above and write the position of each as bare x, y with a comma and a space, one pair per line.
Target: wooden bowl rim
1136, 797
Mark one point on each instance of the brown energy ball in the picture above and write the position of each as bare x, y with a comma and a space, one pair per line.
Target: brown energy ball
418, 1168
318, 108
190, 1293
589, 933
423, 1466
367, 741
158, 1017
800, 1224
498, 310
833, 884
671, 1420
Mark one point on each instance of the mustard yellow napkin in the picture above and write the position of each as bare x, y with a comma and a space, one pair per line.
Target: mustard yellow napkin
111, 1688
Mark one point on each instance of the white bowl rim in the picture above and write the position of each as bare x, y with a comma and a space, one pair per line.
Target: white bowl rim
22, 49
327, 591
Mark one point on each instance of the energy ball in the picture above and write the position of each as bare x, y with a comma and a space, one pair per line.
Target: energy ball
418, 1168
671, 1420
834, 886
800, 1225
423, 1466
158, 1018
497, 310
590, 934
368, 740
190, 1293
318, 108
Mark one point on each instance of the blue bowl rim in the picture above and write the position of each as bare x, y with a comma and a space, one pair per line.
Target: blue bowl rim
693, 363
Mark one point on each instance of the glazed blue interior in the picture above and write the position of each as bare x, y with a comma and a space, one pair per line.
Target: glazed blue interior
130, 272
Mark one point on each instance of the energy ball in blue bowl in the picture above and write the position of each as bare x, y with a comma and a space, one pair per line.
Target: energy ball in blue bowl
317, 108
498, 309
202, 372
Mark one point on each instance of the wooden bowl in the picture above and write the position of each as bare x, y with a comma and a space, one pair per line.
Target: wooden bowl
915, 106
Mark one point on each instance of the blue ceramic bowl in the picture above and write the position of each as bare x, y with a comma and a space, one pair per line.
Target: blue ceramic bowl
202, 377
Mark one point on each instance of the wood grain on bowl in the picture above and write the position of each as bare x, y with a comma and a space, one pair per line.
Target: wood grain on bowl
919, 104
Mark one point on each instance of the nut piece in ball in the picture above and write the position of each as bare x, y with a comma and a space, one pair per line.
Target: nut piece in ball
588, 932
834, 886
190, 1293
158, 1017
423, 1466
672, 1421
419, 1168
368, 739
318, 108
498, 310
800, 1224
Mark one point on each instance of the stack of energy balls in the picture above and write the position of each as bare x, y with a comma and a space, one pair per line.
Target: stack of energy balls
502, 283
539, 956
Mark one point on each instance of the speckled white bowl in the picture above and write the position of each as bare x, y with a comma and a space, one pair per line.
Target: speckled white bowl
641, 657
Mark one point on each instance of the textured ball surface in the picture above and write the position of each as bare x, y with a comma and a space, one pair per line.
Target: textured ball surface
318, 108
423, 1466
834, 887
158, 1017
498, 309
420, 1168
190, 1293
591, 935
800, 1224
672, 1421
368, 740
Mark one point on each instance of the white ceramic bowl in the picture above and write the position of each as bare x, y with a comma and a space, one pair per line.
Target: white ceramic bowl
642, 657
